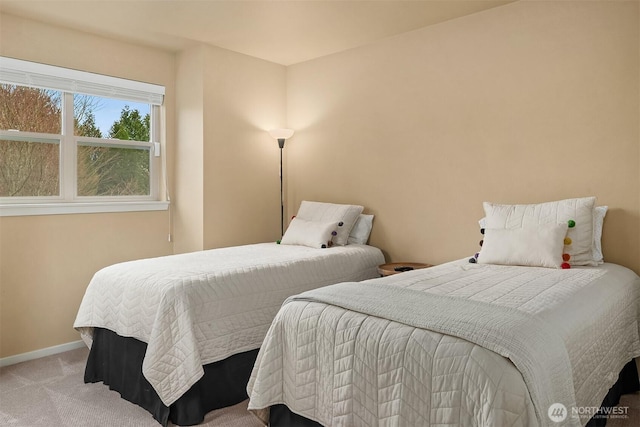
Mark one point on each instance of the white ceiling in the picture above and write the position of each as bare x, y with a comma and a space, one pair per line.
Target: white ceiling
285, 32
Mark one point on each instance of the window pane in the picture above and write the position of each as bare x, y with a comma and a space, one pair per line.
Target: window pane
30, 110
111, 118
29, 168
113, 170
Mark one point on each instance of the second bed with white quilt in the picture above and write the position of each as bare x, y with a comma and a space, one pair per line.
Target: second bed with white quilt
534, 330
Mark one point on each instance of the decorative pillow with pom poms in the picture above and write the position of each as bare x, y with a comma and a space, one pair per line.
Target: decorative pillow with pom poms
314, 234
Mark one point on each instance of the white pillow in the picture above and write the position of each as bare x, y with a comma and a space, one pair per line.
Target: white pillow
598, 220
308, 233
361, 230
599, 213
343, 215
539, 246
578, 212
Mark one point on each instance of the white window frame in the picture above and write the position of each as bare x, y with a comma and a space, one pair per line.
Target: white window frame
70, 82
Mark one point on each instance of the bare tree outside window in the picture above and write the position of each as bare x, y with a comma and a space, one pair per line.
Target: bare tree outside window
29, 167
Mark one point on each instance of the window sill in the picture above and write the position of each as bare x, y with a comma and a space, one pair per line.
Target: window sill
28, 209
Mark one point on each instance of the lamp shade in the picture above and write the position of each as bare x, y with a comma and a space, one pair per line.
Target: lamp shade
281, 133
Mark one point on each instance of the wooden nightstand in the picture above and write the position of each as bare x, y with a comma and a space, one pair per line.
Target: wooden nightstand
399, 267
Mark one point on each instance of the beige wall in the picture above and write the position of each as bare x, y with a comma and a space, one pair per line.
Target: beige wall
187, 202
529, 102
226, 164
46, 262
244, 97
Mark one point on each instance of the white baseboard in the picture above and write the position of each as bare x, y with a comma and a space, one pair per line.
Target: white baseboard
37, 354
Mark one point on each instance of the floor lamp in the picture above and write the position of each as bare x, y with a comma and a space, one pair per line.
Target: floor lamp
281, 135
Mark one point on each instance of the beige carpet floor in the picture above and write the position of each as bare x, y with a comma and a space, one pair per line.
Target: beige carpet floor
50, 392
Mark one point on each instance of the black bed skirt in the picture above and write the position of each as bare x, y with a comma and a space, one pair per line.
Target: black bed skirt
281, 416
117, 361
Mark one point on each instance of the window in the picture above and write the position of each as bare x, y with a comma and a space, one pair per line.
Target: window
78, 140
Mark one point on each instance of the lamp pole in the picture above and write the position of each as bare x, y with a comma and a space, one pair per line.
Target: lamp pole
281, 135
281, 145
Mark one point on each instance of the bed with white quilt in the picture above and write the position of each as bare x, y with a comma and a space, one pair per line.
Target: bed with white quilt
178, 335
534, 330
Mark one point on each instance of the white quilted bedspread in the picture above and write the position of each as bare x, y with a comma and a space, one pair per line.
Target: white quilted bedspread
368, 357
198, 308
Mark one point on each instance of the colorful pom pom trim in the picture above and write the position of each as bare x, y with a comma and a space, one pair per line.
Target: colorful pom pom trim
567, 242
